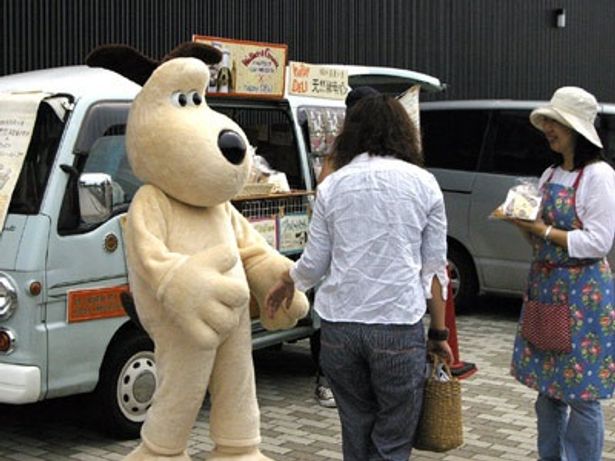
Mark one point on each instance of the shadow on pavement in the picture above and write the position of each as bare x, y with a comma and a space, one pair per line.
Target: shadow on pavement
289, 361
75, 412
489, 306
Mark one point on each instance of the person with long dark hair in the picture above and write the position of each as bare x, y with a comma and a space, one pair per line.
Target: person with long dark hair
323, 392
377, 245
571, 239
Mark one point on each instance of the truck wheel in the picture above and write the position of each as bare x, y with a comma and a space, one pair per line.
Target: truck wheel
463, 279
126, 386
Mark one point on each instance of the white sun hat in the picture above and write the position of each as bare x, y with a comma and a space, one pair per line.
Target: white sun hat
573, 107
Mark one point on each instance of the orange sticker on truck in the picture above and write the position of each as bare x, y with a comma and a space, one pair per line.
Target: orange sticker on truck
96, 303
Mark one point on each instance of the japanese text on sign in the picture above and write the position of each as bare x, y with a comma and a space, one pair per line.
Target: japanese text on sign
96, 303
318, 81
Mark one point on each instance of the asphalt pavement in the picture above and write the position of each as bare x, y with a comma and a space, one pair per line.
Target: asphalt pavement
498, 413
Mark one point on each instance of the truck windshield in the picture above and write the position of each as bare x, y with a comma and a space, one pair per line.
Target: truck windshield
28, 193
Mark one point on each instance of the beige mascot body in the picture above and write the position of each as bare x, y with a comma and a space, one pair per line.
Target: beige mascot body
193, 258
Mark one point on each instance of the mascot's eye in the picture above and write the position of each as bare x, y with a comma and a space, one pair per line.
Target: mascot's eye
196, 98
179, 99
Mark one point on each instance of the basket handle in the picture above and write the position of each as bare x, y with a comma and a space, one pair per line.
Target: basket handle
437, 360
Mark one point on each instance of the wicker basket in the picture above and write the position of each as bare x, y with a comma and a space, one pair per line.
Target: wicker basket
440, 426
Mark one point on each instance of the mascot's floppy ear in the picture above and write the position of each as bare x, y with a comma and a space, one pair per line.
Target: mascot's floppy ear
137, 67
124, 60
207, 54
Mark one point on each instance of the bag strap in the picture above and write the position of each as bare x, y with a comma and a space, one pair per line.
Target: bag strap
436, 360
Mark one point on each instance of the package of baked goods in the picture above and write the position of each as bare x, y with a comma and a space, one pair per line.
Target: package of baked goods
263, 179
522, 202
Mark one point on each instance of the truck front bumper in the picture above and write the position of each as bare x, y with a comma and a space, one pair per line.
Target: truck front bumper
19, 383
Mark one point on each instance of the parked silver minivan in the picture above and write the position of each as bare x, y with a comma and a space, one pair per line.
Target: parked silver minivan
478, 150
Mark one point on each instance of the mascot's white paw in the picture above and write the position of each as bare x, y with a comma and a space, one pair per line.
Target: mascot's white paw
287, 318
237, 454
142, 453
204, 299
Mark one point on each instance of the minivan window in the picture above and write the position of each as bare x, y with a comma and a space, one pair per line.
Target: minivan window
453, 139
606, 127
519, 149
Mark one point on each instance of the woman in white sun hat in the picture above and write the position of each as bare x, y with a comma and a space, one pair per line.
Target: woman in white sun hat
571, 239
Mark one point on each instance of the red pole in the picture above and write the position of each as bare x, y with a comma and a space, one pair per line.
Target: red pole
459, 369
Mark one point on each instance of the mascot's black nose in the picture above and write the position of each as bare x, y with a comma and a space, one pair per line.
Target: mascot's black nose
232, 146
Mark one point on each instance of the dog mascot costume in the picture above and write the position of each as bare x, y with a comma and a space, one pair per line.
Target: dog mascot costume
193, 259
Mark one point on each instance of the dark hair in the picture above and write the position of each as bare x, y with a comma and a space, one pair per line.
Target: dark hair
380, 126
585, 152
356, 94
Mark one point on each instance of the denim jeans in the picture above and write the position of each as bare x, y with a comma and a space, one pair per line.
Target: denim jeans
569, 431
377, 375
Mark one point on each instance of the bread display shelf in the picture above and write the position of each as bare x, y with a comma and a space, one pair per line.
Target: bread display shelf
281, 218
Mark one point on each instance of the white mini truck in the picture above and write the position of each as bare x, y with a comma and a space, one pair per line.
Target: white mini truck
63, 329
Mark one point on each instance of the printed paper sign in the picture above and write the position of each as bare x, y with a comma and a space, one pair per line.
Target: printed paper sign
410, 100
293, 232
318, 81
324, 124
268, 228
17, 118
247, 68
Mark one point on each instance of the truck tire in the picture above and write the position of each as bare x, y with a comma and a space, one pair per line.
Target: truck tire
126, 385
462, 278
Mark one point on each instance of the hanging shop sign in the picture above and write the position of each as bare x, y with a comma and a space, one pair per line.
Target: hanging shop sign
268, 228
293, 232
317, 81
247, 68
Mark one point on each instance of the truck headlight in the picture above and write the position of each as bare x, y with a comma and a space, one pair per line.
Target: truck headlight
8, 298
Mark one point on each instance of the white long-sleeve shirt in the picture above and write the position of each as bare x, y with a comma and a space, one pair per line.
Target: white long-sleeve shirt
595, 206
378, 237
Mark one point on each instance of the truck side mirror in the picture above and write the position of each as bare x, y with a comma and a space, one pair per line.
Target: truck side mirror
95, 197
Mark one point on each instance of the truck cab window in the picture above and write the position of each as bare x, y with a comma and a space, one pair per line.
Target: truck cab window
100, 148
30, 187
108, 155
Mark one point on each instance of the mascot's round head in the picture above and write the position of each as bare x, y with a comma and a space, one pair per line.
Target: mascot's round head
174, 140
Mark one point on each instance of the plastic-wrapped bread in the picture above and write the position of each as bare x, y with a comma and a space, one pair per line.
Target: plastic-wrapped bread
522, 202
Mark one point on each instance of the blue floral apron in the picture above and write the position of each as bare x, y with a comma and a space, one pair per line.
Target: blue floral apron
588, 372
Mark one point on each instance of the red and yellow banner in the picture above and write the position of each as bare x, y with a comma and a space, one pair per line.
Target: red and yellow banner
317, 81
